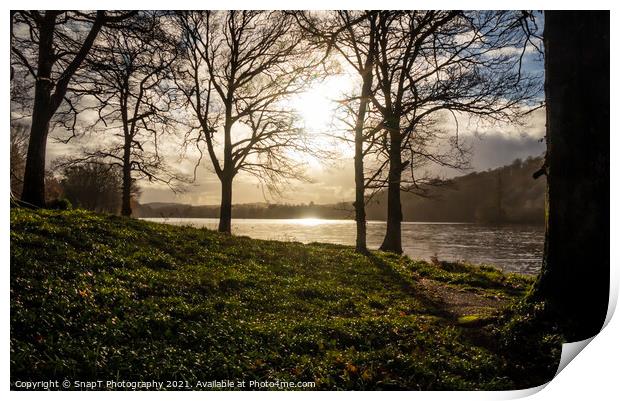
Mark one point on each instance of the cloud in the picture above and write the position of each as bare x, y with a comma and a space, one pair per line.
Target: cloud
497, 150
492, 145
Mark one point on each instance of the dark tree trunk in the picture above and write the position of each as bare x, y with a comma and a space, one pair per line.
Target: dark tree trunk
46, 103
33, 191
392, 240
226, 205
227, 175
575, 271
360, 209
360, 201
126, 198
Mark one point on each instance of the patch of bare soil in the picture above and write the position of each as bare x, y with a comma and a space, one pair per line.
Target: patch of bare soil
456, 302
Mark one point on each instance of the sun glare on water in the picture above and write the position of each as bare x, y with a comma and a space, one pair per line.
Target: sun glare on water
310, 221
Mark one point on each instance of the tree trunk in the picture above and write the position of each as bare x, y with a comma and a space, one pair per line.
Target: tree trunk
226, 204
126, 199
33, 191
46, 103
227, 175
360, 209
360, 201
126, 202
392, 240
575, 271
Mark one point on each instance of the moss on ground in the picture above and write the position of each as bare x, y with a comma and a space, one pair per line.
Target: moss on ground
104, 297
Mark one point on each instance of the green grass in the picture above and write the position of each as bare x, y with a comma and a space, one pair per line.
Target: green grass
103, 297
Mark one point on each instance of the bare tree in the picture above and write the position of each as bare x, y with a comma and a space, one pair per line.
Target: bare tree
127, 84
431, 64
52, 46
240, 68
352, 35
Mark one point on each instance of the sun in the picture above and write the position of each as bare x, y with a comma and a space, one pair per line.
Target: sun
317, 107
318, 112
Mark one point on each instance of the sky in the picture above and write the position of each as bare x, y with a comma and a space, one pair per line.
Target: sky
329, 181
333, 181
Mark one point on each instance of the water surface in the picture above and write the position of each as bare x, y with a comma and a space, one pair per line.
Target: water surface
513, 248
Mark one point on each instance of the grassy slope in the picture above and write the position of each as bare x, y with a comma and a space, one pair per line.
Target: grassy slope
104, 297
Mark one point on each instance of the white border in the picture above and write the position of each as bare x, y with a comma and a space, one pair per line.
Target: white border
593, 373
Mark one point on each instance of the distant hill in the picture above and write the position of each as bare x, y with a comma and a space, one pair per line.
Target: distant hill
507, 194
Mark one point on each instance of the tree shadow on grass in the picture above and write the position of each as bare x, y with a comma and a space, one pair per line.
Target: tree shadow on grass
475, 334
408, 286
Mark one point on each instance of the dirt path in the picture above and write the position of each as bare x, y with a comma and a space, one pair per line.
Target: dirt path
457, 302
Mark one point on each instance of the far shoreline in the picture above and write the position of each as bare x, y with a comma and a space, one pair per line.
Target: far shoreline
350, 220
